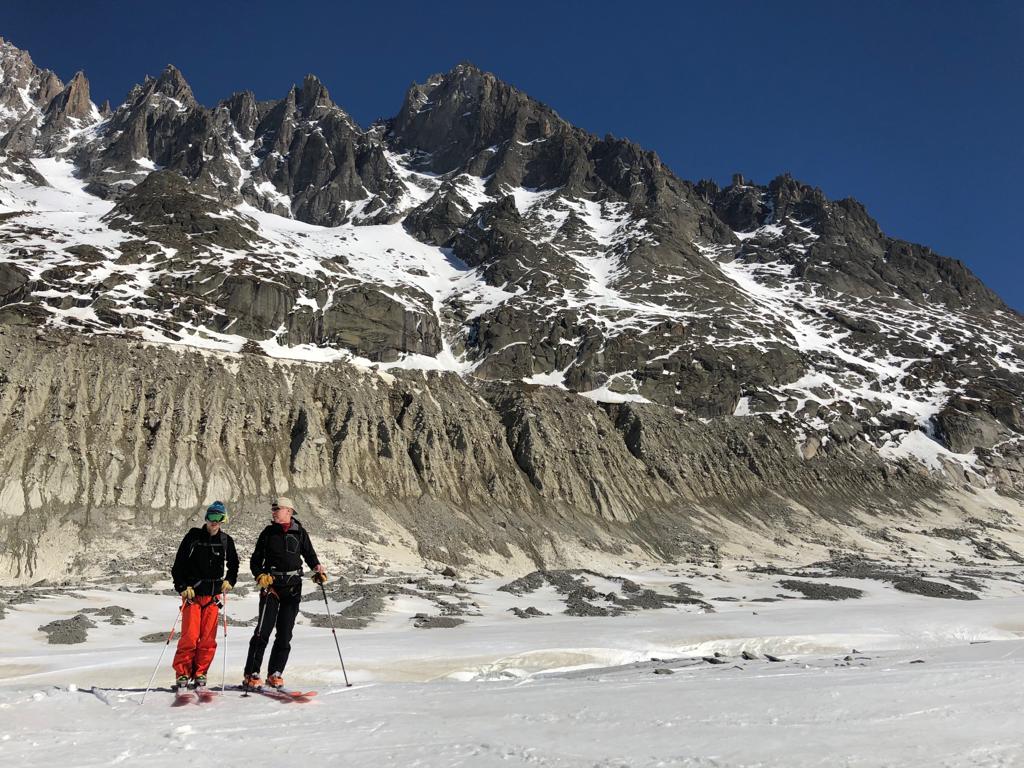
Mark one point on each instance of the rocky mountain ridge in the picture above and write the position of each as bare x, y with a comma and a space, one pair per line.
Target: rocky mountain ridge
478, 234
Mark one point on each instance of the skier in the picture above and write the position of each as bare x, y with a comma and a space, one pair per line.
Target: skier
206, 566
276, 563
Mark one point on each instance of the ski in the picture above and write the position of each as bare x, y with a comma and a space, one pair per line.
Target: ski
295, 695
285, 694
280, 694
182, 696
205, 695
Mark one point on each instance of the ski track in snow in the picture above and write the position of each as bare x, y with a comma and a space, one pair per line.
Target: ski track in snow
553, 690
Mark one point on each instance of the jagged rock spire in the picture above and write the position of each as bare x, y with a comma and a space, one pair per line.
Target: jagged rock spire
455, 115
313, 95
24, 88
73, 100
172, 83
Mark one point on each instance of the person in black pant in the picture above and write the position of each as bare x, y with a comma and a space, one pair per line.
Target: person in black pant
276, 563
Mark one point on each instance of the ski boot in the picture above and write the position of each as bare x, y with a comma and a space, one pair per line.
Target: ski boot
275, 680
200, 681
252, 683
181, 683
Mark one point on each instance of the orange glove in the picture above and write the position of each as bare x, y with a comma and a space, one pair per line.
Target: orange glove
320, 577
264, 580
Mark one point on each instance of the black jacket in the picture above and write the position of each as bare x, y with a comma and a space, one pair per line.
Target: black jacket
281, 554
204, 562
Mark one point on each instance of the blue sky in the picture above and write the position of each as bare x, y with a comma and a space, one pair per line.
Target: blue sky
914, 108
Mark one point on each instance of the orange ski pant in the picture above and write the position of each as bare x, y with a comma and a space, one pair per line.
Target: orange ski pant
197, 643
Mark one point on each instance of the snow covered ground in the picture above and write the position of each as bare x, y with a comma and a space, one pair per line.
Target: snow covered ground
891, 679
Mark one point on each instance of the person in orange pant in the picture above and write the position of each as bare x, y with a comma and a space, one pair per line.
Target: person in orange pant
205, 567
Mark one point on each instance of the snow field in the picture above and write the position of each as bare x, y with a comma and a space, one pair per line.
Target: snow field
554, 690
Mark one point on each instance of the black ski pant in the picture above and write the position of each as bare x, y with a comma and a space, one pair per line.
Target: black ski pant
277, 611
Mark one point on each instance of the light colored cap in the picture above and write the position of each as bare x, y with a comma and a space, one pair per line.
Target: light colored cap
282, 501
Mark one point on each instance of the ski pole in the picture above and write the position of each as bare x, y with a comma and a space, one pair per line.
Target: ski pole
163, 650
224, 657
333, 632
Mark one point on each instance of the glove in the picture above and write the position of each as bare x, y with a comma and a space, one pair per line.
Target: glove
264, 580
188, 593
226, 586
320, 577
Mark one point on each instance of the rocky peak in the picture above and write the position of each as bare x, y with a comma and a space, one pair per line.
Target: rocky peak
73, 101
463, 82
312, 97
838, 246
790, 197
742, 206
71, 108
244, 113
24, 88
627, 168
453, 117
469, 120
159, 123
172, 83
17, 70
172, 92
49, 86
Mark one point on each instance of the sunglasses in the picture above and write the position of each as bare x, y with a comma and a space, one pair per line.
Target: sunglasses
216, 517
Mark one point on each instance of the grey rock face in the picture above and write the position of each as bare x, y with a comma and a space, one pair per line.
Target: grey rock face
377, 327
39, 113
964, 430
166, 209
68, 111
13, 283
146, 434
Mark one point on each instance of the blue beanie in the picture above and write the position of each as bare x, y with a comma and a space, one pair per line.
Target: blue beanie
217, 508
